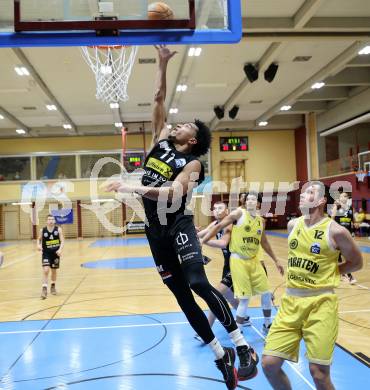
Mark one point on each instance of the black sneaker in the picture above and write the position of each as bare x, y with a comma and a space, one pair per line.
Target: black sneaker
226, 366
248, 360
266, 329
44, 293
247, 321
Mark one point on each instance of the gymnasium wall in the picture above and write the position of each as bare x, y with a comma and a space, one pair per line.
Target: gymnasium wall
65, 144
271, 156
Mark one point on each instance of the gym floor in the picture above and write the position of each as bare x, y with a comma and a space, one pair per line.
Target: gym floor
114, 325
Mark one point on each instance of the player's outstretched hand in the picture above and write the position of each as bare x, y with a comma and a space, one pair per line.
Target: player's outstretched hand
164, 53
280, 268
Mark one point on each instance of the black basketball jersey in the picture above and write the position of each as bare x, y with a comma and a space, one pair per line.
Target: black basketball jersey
225, 251
163, 164
345, 218
50, 240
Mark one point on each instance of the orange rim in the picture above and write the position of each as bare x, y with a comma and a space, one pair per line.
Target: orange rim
106, 47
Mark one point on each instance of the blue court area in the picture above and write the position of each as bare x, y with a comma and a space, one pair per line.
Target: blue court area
118, 241
277, 234
136, 352
121, 263
4, 244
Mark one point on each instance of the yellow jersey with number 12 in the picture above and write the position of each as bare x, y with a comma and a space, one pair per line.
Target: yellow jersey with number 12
246, 236
312, 261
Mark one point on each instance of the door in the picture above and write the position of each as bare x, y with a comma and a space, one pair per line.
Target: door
11, 225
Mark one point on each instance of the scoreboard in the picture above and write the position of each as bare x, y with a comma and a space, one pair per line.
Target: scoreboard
234, 144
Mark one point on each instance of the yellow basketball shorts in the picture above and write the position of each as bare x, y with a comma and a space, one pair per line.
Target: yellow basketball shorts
249, 277
313, 319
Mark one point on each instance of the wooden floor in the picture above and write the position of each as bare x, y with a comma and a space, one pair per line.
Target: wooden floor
84, 292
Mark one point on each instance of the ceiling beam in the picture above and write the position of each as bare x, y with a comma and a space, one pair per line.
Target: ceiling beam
265, 61
340, 93
359, 62
351, 108
350, 77
15, 120
333, 67
306, 12
305, 107
53, 100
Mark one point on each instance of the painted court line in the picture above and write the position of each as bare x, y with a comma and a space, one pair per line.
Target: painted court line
18, 261
102, 327
289, 363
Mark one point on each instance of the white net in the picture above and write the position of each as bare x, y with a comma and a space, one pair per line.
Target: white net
112, 66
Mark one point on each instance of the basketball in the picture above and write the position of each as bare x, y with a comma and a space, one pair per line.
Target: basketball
159, 11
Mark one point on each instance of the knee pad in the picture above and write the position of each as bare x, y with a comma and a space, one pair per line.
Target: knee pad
266, 301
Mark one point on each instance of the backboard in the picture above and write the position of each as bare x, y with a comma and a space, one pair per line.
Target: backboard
117, 22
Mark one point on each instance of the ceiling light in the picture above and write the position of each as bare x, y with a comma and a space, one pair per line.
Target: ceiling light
251, 72
194, 51
118, 124
181, 88
219, 111
51, 107
364, 51
169, 127
21, 71
234, 112
102, 200
270, 72
1, 117
21, 131
263, 123
174, 110
285, 108
114, 105
67, 126
318, 85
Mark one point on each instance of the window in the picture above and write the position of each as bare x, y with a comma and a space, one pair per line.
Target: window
55, 167
107, 169
15, 168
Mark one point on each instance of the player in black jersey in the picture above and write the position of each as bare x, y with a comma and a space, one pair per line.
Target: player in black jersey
342, 213
171, 171
50, 242
225, 286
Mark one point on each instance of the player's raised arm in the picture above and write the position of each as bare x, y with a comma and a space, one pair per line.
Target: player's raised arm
228, 220
159, 129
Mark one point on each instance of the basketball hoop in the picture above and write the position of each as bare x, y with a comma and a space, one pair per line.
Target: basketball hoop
112, 66
361, 176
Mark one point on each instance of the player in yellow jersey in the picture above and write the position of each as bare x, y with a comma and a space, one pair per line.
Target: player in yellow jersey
309, 308
247, 238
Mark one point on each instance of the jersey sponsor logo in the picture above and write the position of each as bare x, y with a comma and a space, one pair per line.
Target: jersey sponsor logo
247, 228
56, 233
315, 248
251, 240
180, 162
45, 234
160, 167
293, 244
182, 239
259, 231
319, 234
299, 262
300, 278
